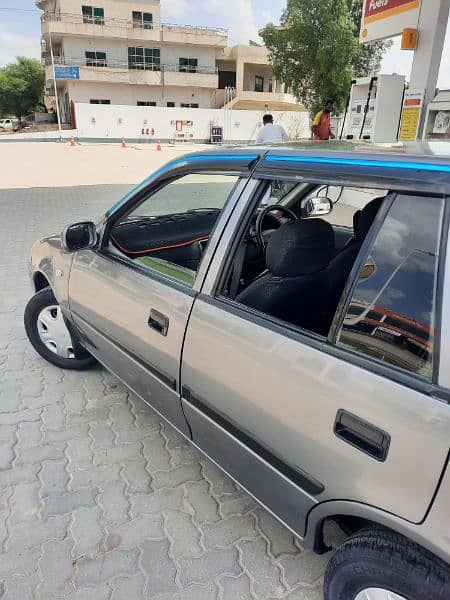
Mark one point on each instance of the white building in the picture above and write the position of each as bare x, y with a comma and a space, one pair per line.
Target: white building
119, 52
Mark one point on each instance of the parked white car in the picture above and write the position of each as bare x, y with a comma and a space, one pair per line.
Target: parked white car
9, 124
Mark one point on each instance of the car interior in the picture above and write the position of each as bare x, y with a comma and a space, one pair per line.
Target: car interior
294, 256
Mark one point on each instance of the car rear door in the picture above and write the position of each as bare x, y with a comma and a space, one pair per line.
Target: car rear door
300, 420
132, 316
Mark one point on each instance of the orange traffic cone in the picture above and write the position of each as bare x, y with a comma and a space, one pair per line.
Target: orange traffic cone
158, 146
72, 142
123, 144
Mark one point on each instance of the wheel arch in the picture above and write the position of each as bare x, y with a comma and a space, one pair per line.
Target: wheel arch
352, 516
40, 281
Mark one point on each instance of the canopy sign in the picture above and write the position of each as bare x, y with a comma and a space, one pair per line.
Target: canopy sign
387, 18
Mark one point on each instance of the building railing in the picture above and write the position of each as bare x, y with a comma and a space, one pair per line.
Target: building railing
130, 24
101, 63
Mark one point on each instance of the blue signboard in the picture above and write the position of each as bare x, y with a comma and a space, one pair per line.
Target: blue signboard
67, 72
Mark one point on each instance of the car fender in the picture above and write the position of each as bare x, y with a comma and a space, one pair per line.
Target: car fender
433, 533
48, 259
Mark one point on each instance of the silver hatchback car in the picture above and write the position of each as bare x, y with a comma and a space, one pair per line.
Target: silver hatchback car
287, 310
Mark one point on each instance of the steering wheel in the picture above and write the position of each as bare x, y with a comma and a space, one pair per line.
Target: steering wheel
287, 212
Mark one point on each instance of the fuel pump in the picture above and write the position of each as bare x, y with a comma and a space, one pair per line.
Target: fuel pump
374, 109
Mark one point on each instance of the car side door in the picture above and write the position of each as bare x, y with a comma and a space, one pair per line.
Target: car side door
131, 309
298, 419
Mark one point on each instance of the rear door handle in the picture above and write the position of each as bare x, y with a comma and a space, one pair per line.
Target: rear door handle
362, 435
158, 322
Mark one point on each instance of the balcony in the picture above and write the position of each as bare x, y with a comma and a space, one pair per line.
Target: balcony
248, 100
63, 24
205, 77
121, 72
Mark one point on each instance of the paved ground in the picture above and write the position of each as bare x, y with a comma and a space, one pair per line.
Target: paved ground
45, 164
100, 498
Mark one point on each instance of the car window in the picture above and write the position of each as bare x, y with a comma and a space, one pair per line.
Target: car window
291, 263
346, 202
391, 315
169, 231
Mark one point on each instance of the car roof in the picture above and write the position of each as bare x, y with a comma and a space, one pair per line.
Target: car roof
420, 166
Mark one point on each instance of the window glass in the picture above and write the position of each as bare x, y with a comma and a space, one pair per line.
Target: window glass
169, 231
95, 59
92, 14
188, 65
99, 101
148, 59
259, 84
145, 103
392, 312
142, 20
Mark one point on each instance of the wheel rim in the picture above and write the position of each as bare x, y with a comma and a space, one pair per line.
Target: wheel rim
378, 594
53, 332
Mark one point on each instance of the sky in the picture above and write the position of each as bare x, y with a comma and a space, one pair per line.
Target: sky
20, 29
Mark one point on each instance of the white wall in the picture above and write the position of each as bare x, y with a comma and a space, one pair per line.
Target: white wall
124, 94
102, 121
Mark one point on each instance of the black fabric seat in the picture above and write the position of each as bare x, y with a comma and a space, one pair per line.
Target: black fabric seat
295, 286
341, 265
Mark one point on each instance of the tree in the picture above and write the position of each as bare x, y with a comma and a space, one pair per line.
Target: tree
316, 52
21, 86
368, 59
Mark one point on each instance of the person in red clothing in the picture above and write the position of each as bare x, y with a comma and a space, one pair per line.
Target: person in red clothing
321, 124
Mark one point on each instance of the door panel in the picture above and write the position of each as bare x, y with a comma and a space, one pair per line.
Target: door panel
247, 467
286, 395
111, 304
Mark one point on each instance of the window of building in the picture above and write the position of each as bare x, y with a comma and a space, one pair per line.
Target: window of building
259, 83
148, 59
95, 59
171, 105
188, 65
270, 86
189, 105
169, 231
391, 316
93, 14
142, 19
99, 101
146, 103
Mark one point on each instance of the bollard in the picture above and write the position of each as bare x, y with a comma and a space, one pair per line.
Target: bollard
72, 142
158, 146
123, 143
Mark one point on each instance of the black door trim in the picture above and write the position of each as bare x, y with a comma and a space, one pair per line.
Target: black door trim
300, 478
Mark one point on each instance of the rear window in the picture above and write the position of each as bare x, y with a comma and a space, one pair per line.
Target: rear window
392, 313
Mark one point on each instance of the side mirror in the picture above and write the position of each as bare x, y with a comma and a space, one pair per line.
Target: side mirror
317, 206
79, 236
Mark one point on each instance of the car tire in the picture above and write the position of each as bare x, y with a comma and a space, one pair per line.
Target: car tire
376, 560
49, 335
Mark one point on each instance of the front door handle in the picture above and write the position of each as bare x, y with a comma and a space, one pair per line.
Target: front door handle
362, 435
158, 322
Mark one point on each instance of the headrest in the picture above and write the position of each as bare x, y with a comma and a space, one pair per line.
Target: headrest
367, 217
300, 248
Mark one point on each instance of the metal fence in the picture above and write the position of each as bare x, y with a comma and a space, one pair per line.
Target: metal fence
101, 63
129, 24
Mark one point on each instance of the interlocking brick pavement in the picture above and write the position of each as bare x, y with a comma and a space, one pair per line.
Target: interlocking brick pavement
99, 498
